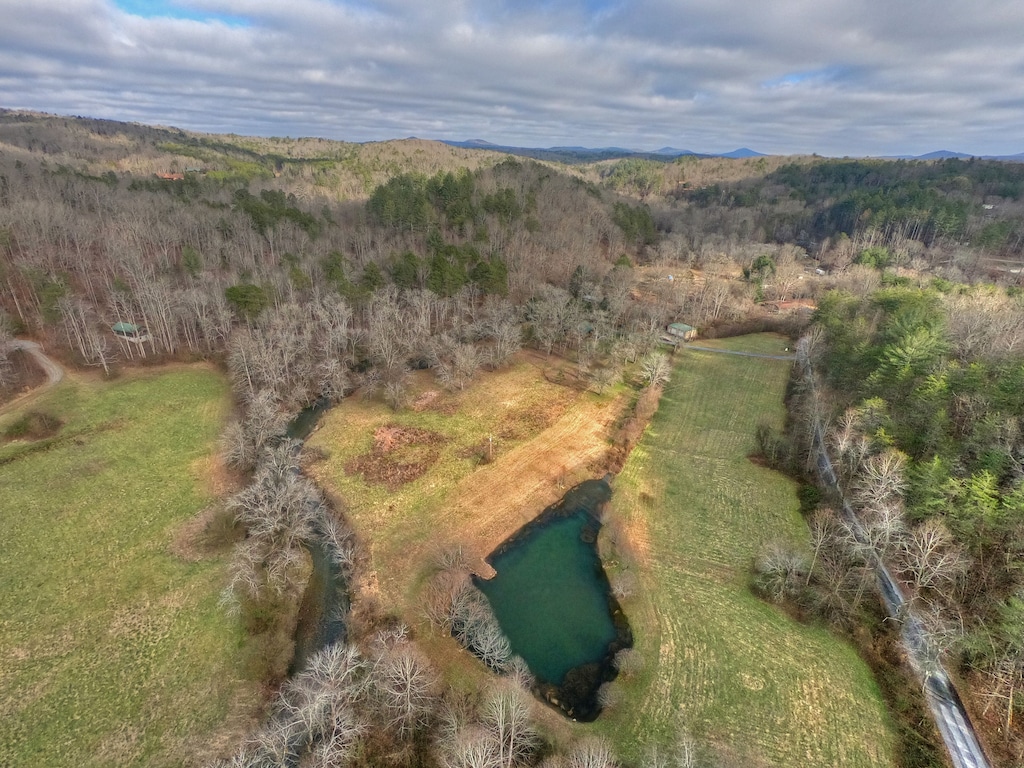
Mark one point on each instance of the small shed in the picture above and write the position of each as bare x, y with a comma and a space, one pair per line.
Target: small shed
130, 332
682, 331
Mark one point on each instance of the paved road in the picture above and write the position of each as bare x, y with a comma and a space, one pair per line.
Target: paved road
961, 741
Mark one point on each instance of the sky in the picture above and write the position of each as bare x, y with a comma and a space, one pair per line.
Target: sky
833, 77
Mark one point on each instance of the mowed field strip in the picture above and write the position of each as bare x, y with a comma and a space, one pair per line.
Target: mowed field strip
748, 681
113, 648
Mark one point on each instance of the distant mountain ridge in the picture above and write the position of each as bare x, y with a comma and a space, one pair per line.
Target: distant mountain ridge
948, 154
579, 154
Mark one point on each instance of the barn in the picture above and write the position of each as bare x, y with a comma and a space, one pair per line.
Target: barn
682, 331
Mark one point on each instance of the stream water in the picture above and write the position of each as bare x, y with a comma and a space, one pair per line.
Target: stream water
325, 601
302, 425
323, 608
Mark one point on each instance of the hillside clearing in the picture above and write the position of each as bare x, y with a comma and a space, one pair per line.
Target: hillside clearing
742, 676
113, 648
545, 437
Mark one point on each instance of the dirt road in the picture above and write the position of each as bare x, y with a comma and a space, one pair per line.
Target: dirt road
740, 354
54, 372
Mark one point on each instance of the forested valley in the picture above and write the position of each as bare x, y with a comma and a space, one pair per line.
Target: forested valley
312, 269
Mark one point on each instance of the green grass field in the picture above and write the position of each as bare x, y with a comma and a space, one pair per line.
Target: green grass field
751, 684
113, 649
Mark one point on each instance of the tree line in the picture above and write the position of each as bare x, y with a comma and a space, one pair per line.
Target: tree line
922, 398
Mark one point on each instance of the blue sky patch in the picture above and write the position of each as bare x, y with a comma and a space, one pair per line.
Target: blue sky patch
826, 75
169, 9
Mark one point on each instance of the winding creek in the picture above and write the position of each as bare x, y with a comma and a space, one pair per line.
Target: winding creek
326, 599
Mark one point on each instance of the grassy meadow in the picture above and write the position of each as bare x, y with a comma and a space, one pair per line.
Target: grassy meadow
113, 649
747, 681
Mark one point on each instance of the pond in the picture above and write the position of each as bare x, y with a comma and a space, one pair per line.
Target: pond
552, 599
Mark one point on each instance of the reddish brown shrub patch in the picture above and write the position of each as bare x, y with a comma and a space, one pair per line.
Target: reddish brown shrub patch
530, 421
399, 455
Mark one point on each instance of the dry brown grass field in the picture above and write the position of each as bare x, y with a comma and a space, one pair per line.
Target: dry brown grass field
545, 437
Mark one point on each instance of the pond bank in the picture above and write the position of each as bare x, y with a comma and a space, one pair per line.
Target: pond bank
553, 601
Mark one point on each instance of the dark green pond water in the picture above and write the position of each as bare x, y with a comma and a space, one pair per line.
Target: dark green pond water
552, 599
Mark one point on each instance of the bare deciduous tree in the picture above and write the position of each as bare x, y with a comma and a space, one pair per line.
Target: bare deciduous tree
788, 274
475, 626
780, 571
628, 662
339, 541
407, 689
456, 606
656, 369
455, 363
686, 749
603, 377
280, 511
499, 322
519, 674
609, 695
396, 387
931, 559
592, 752
322, 705
472, 747
506, 714
6, 376
881, 479
885, 528
550, 317
243, 442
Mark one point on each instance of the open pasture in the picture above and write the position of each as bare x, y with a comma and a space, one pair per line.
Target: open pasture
113, 648
746, 680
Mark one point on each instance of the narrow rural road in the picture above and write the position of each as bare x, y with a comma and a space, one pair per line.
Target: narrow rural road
54, 372
961, 741
739, 354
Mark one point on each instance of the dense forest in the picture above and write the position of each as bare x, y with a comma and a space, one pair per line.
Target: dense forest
312, 268
260, 230
925, 404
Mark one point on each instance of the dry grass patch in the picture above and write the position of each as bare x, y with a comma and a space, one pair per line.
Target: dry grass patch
545, 437
399, 455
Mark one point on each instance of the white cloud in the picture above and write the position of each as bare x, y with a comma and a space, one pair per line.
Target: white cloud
827, 76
